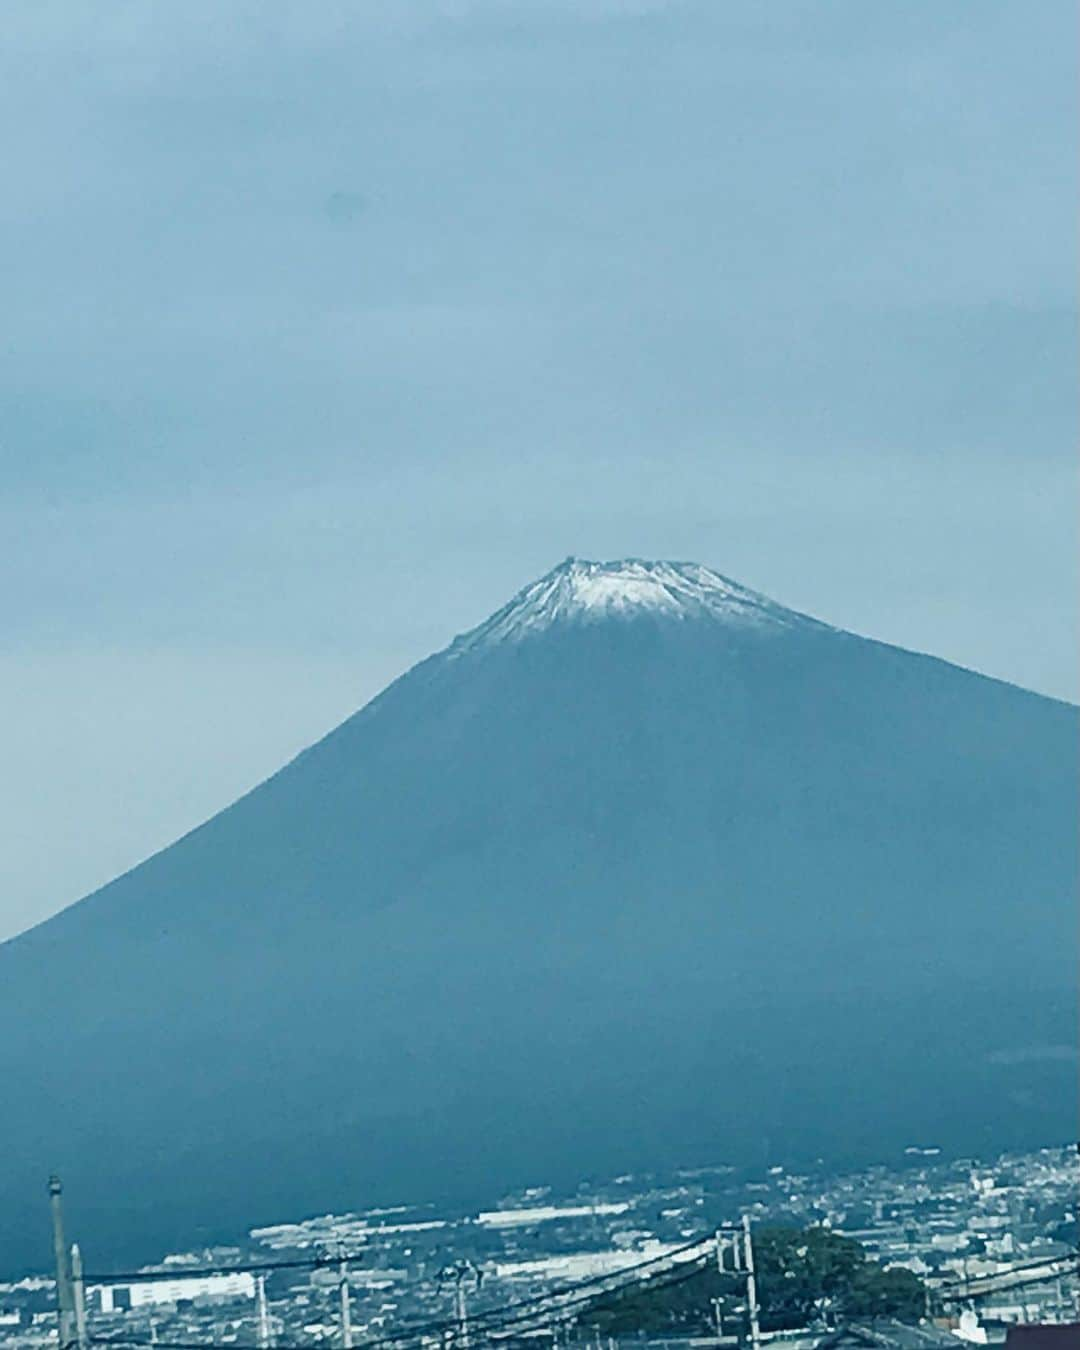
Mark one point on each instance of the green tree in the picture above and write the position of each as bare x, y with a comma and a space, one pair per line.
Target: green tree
802, 1273
878, 1291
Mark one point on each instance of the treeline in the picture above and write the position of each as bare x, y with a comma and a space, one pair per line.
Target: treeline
802, 1274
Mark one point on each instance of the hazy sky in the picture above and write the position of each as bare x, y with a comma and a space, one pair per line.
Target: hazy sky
329, 324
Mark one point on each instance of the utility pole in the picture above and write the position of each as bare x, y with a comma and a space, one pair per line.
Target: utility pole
346, 1311
65, 1299
462, 1316
732, 1243
264, 1318
751, 1284
79, 1291
459, 1272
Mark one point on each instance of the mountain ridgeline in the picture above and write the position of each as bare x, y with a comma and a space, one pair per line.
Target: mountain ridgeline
647, 869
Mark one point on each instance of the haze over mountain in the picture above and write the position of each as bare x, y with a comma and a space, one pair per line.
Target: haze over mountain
645, 869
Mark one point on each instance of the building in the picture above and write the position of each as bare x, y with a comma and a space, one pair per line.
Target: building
177, 1289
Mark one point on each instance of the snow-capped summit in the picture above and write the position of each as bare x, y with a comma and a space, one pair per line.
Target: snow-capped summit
581, 591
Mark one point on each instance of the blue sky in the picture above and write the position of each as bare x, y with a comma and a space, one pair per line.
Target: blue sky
328, 325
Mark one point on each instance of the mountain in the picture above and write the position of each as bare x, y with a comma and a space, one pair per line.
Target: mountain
647, 869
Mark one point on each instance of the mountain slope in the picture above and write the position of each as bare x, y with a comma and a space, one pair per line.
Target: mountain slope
646, 868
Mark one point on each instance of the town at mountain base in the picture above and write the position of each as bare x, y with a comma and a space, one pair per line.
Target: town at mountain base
647, 868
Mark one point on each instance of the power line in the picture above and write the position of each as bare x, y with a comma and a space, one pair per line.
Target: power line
551, 1294
961, 1280
484, 1321
526, 1321
984, 1286
198, 1272
492, 1319
521, 1322
593, 1280
519, 1314
591, 1296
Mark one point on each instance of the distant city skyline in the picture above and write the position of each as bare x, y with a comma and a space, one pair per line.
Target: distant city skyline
331, 326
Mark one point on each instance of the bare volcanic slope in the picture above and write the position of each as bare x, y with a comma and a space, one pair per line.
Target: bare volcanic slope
645, 869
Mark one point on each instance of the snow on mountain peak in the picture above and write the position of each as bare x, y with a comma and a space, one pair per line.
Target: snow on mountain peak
580, 592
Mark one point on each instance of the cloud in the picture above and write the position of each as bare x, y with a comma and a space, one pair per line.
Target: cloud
344, 207
1034, 1054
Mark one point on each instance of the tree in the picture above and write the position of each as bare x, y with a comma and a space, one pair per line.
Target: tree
885, 1291
802, 1274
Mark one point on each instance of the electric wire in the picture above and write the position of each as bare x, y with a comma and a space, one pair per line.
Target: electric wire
522, 1315
553, 1301
961, 1280
197, 1272
409, 1334
525, 1323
